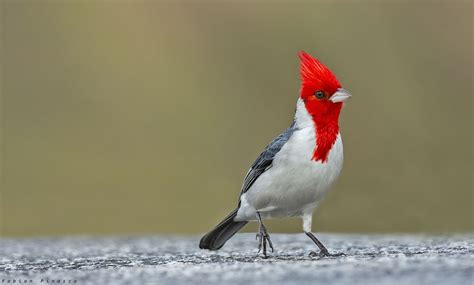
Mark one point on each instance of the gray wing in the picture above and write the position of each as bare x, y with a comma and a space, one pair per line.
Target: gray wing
265, 159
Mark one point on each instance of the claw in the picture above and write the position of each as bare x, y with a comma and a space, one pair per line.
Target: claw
265, 246
325, 253
270, 243
263, 237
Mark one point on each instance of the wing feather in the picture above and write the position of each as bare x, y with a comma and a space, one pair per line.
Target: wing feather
265, 159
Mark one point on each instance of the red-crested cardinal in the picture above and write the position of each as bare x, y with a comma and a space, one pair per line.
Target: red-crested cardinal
295, 171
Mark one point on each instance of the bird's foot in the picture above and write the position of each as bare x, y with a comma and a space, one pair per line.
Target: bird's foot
263, 238
325, 253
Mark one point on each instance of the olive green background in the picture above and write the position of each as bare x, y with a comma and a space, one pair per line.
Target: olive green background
143, 117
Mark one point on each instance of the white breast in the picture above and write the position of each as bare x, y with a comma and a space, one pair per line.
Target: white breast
295, 183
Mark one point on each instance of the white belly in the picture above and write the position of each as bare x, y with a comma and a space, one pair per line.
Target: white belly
295, 184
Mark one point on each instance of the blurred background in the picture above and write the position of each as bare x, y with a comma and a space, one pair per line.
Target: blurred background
143, 117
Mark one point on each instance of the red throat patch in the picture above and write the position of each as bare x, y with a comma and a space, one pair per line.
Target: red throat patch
318, 84
326, 135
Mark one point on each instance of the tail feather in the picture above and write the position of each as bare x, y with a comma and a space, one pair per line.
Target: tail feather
216, 238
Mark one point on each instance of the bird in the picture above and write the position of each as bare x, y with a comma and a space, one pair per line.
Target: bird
295, 171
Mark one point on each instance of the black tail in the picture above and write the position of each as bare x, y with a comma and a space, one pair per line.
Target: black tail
216, 238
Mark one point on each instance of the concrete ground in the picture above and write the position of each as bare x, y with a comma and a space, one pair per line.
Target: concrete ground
370, 259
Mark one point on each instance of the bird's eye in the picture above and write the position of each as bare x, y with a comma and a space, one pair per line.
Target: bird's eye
319, 94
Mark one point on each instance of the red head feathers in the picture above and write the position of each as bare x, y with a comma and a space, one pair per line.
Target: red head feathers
316, 76
318, 84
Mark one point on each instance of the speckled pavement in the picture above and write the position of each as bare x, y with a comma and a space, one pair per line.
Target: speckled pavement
370, 259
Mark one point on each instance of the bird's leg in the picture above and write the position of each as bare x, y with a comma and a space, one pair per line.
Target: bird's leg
263, 237
323, 250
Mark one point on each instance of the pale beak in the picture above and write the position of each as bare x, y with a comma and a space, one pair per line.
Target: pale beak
340, 95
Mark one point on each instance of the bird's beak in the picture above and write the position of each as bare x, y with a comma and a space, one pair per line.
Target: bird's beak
340, 95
